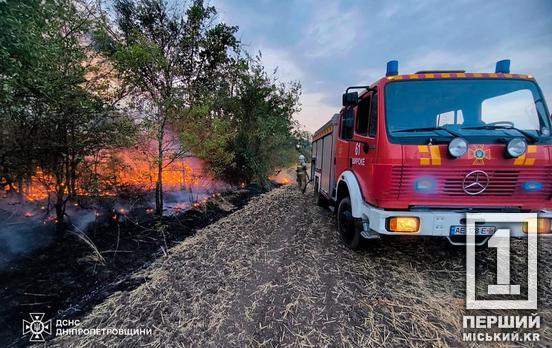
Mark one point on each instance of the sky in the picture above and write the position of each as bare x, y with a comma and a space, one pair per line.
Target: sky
328, 45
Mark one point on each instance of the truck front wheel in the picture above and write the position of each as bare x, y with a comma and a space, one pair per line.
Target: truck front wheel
349, 228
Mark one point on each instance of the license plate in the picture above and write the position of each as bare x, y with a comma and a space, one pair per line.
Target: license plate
479, 230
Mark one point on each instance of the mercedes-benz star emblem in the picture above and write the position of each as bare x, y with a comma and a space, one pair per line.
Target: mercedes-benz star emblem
475, 182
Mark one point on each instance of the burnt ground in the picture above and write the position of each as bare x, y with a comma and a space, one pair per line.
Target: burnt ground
68, 278
275, 274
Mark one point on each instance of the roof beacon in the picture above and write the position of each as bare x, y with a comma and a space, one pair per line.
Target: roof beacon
392, 68
503, 66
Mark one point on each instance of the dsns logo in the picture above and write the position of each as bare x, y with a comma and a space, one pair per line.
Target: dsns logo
36, 327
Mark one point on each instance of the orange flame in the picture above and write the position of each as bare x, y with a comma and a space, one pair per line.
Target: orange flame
130, 169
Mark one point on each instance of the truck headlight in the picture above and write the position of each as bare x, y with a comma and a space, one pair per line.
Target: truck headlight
516, 147
458, 147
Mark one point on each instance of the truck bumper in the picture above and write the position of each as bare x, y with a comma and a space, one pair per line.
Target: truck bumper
436, 223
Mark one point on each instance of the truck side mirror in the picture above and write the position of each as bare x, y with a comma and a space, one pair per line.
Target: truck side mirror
350, 98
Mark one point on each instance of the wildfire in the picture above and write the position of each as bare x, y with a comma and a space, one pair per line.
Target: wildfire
129, 170
37, 188
49, 219
136, 171
282, 177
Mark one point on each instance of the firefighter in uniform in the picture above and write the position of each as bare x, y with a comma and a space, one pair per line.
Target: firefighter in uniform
301, 172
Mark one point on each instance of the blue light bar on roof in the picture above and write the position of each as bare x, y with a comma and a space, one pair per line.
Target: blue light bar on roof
392, 68
503, 66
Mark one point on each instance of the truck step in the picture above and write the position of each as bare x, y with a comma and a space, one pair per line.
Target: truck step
370, 235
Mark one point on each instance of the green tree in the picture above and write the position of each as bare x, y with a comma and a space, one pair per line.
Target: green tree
247, 128
51, 98
168, 57
265, 121
22, 88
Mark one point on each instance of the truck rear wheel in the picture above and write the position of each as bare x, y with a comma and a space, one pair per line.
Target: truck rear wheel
349, 228
320, 201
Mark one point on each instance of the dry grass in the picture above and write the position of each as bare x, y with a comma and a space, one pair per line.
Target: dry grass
276, 274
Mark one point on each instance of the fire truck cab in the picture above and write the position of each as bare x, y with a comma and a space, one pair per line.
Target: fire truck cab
412, 154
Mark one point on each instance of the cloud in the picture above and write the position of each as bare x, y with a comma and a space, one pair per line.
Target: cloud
315, 111
333, 44
483, 60
331, 31
435, 60
390, 9
282, 61
369, 75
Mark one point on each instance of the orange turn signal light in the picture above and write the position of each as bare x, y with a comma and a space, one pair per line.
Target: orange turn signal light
403, 224
543, 226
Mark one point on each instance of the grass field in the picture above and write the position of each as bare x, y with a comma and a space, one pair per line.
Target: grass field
276, 274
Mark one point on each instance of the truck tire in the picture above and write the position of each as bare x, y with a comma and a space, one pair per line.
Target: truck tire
320, 201
348, 226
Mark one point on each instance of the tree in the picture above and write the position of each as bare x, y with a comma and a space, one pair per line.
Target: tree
50, 97
265, 122
22, 94
168, 57
248, 129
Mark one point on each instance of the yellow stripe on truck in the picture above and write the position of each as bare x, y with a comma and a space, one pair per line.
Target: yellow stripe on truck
525, 159
434, 155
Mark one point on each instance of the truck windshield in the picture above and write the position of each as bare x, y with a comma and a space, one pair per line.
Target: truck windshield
484, 109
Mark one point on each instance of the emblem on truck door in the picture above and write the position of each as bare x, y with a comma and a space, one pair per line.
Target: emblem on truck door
475, 182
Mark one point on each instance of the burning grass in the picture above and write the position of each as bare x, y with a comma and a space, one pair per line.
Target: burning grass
117, 172
275, 274
285, 176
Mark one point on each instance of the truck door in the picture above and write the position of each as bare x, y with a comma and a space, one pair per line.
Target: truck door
345, 134
362, 148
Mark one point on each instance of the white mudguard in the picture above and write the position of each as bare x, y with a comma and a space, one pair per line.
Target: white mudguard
354, 192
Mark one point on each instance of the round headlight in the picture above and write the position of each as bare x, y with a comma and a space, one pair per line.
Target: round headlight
516, 147
458, 147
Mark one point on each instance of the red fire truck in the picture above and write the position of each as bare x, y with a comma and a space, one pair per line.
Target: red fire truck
412, 154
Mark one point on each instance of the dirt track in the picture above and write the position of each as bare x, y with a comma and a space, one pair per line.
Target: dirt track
276, 274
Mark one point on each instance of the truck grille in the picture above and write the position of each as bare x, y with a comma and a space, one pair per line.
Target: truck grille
502, 182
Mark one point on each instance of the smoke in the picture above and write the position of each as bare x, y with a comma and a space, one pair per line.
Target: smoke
22, 231
81, 219
26, 227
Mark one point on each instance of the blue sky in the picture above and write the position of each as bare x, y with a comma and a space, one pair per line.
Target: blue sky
329, 45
